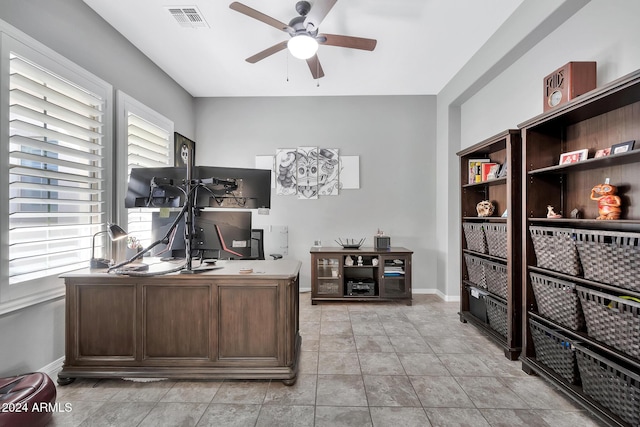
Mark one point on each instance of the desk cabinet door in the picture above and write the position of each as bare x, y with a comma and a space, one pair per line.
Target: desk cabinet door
176, 321
103, 322
251, 323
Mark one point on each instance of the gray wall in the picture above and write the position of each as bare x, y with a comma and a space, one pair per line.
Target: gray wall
501, 86
394, 137
612, 40
34, 337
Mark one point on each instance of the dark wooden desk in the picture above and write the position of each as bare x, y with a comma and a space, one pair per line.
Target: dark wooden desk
218, 324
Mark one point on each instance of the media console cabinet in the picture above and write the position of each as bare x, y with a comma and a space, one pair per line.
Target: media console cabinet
364, 274
212, 325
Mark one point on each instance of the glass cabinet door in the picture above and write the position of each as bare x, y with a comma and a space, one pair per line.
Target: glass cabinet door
394, 280
329, 278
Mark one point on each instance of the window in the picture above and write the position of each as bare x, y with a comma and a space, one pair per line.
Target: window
149, 138
53, 174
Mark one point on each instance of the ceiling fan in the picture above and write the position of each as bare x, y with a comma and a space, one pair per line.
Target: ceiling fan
303, 30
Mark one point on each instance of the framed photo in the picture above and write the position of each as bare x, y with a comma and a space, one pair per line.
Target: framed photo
184, 151
493, 171
622, 147
573, 156
604, 152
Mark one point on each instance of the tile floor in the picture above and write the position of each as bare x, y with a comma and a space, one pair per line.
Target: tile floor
361, 365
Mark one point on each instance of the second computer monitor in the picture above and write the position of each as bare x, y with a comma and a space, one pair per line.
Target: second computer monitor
217, 234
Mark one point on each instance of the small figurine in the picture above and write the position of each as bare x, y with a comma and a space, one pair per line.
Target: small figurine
348, 261
551, 213
374, 262
576, 214
360, 260
608, 202
485, 208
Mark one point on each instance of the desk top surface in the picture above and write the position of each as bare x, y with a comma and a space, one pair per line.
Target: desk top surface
268, 269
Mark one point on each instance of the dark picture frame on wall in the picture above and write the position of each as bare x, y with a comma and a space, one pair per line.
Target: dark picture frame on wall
184, 151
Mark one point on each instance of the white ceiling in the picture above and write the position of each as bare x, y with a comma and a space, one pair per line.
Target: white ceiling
422, 44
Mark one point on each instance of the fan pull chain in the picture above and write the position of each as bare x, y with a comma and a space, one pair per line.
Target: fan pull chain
317, 72
287, 67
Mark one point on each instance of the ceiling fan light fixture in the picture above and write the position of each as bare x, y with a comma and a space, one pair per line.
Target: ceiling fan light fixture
302, 46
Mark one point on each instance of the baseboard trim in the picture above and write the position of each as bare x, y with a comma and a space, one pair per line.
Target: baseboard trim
439, 294
53, 368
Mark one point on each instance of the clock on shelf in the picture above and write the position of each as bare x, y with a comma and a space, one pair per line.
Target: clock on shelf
567, 82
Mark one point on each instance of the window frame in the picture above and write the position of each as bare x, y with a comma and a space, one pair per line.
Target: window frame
27, 293
126, 104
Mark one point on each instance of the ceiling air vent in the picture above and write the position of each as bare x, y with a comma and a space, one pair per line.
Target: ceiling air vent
188, 16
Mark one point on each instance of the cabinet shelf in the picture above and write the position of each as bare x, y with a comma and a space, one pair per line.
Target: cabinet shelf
582, 281
496, 181
596, 224
485, 256
485, 219
361, 266
629, 157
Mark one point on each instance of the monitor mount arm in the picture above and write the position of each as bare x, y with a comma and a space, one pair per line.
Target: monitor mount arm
165, 239
187, 212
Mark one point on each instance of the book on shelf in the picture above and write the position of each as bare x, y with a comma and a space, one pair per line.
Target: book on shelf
475, 169
489, 170
393, 271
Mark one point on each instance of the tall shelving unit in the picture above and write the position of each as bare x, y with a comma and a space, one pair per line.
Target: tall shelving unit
477, 295
562, 337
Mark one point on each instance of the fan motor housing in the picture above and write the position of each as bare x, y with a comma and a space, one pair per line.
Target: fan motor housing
303, 7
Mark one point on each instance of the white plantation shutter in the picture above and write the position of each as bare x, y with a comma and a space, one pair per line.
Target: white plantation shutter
148, 144
56, 172
149, 139
56, 122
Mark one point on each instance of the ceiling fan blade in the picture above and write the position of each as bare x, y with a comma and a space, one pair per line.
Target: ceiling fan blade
267, 52
318, 12
315, 67
252, 13
347, 41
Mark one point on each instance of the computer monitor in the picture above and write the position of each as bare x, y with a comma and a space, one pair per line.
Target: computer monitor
217, 234
218, 187
156, 188
223, 234
253, 187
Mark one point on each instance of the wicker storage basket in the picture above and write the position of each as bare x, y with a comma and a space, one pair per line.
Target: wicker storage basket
496, 235
475, 270
555, 249
614, 386
477, 306
555, 351
558, 300
610, 257
497, 315
612, 320
474, 236
495, 276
